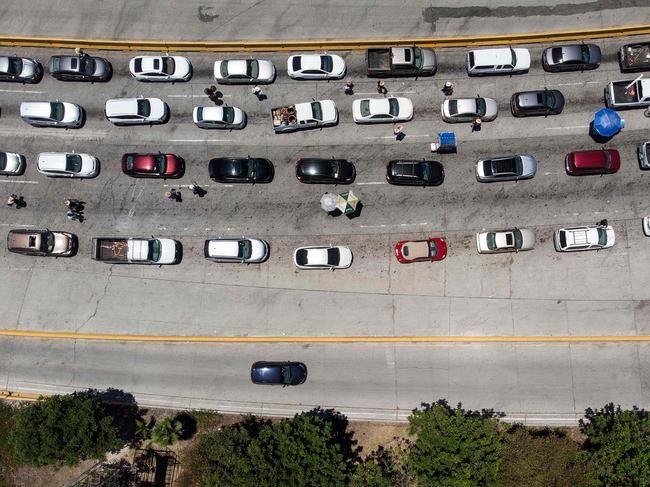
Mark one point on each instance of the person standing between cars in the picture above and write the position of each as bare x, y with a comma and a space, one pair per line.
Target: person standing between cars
448, 88
349, 87
11, 200
476, 125
398, 131
74, 205
257, 91
381, 87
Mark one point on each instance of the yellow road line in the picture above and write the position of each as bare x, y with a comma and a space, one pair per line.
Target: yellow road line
322, 44
324, 339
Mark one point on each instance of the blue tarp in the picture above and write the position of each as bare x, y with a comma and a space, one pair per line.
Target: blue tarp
607, 122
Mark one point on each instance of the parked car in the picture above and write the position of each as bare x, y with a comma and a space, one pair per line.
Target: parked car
315, 66
634, 57
600, 161
44, 243
325, 171
80, 67
469, 109
52, 114
153, 165
240, 71
431, 249
400, 61
571, 57
538, 102
67, 165
12, 164
505, 241
506, 168
498, 60
643, 151
588, 237
330, 257
20, 69
242, 250
279, 373
241, 170
222, 117
415, 173
160, 68
136, 111
382, 110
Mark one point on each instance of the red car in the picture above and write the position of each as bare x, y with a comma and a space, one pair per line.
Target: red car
431, 249
153, 165
601, 161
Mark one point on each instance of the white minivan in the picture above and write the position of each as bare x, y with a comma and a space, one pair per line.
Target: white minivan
500, 60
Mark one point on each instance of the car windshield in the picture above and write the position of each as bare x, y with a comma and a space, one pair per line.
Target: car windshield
144, 107
335, 168
453, 107
224, 69
245, 249
57, 111
228, 114
418, 57
364, 106
168, 65
73, 162
47, 242
317, 110
333, 256
513, 57
326, 63
549, 99
491, 240
480, 106
301, 257
519, 239
87, 65
424, 170
602, 236
393, 107
15, 66
252, 68
584, 50
286, 374
154, 250
608, 160
556, 54
3, 161
562, 239
433, 248
129, 162
159, 164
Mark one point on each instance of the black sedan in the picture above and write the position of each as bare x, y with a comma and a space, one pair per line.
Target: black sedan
241, 170
415, 173
572, 57
279, 373
81, 67
325, 171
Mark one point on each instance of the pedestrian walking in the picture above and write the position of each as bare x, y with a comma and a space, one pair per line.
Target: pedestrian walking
75, 215
398, 131
172, 194
381, 87
74, 205
11, 200
476, 125
257, 91
349, 87
197, 190
448, 88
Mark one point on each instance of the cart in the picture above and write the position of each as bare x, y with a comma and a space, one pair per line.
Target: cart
446, 143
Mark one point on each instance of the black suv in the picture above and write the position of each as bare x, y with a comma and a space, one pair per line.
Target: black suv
325, 171
538, 102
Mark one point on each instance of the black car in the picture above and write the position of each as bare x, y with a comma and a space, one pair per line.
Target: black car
279, 373
538, 102
326, 171
20, 69
81, 67
241, 170
572, 57
415, 173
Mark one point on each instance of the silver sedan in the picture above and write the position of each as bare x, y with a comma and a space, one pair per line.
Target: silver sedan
514, 240
506, 168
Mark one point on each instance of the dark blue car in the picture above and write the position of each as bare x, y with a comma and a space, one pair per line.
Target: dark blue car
279, 373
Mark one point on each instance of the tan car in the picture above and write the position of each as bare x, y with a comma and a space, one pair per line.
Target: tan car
43, 243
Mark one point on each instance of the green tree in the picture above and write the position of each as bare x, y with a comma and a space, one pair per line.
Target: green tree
454, 447
63, 430
167, 431
384, 467
618, 445
7, 465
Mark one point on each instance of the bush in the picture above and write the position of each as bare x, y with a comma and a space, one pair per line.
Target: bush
63, 430
384, 467
7, 465
167, 431
454, 447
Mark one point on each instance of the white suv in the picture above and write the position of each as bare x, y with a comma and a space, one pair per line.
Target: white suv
51, 114
136, 111
500, 60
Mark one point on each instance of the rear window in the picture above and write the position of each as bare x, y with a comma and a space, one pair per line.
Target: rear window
144, 107
326, 63
471, 59
316, 110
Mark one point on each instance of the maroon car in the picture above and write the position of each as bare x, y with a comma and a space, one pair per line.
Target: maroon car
153, 165
601, 161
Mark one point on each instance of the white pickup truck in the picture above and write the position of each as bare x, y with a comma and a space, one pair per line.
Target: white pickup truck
628, 93
308, 115
120, 250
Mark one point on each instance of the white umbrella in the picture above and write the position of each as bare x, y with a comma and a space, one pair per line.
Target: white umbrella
328, 202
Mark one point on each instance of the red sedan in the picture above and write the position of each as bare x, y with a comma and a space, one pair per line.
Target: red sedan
431, 249
153, 165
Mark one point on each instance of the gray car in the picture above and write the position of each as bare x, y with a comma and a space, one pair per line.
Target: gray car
572, 57
505, 168
80, 68
539, 102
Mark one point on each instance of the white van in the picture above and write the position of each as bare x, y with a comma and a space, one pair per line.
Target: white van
51, 114
500, 60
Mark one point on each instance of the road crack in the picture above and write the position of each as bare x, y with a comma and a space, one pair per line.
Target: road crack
98, 301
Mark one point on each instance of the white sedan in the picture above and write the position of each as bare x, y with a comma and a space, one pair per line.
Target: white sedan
382, 110
222, 117
239, 71
160, 68
588, 237
136, 111
242, 250
11, 164
330, 257
469, 109
316, 66
67, 165
505, 241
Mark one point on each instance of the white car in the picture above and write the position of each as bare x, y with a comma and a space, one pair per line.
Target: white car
469, 109
588, 237
243, 250
222, 117
160, 68
11, 164
378, 110
316, 66
240, 71
505, 241
51, 114
136, 111
67, 165
330, 257
498, 60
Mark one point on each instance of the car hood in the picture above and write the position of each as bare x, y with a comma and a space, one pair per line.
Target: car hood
266, 70
338, 65
157, 108
428, 59
523, 58
29, 68
167, 251
328, 108
345, 259
182, 66
101, 67
259, 249
491, 108
528, 238
13, 163
72, 112
529, 165
174, 164
62, 242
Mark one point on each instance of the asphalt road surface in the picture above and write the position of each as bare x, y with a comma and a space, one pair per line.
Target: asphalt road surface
540, 292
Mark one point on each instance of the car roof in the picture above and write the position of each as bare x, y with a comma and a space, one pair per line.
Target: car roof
122, 106
531, 98
36, 108
236, 66
25, 239
379, 105
593, 158
492, 57
212, 113
416, 249
224, 247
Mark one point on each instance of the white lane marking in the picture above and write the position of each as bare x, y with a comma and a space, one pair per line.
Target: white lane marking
393, 136
397, 225
570, 127
55, 133
21, 91
389, 93
187, 186
188, 96
16, 225
200, 140
547, 173
372, 182
19, 182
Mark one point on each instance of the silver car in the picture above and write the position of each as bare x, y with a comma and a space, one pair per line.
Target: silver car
505, 168
505, 241
81, 67
20, 69
572, 57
